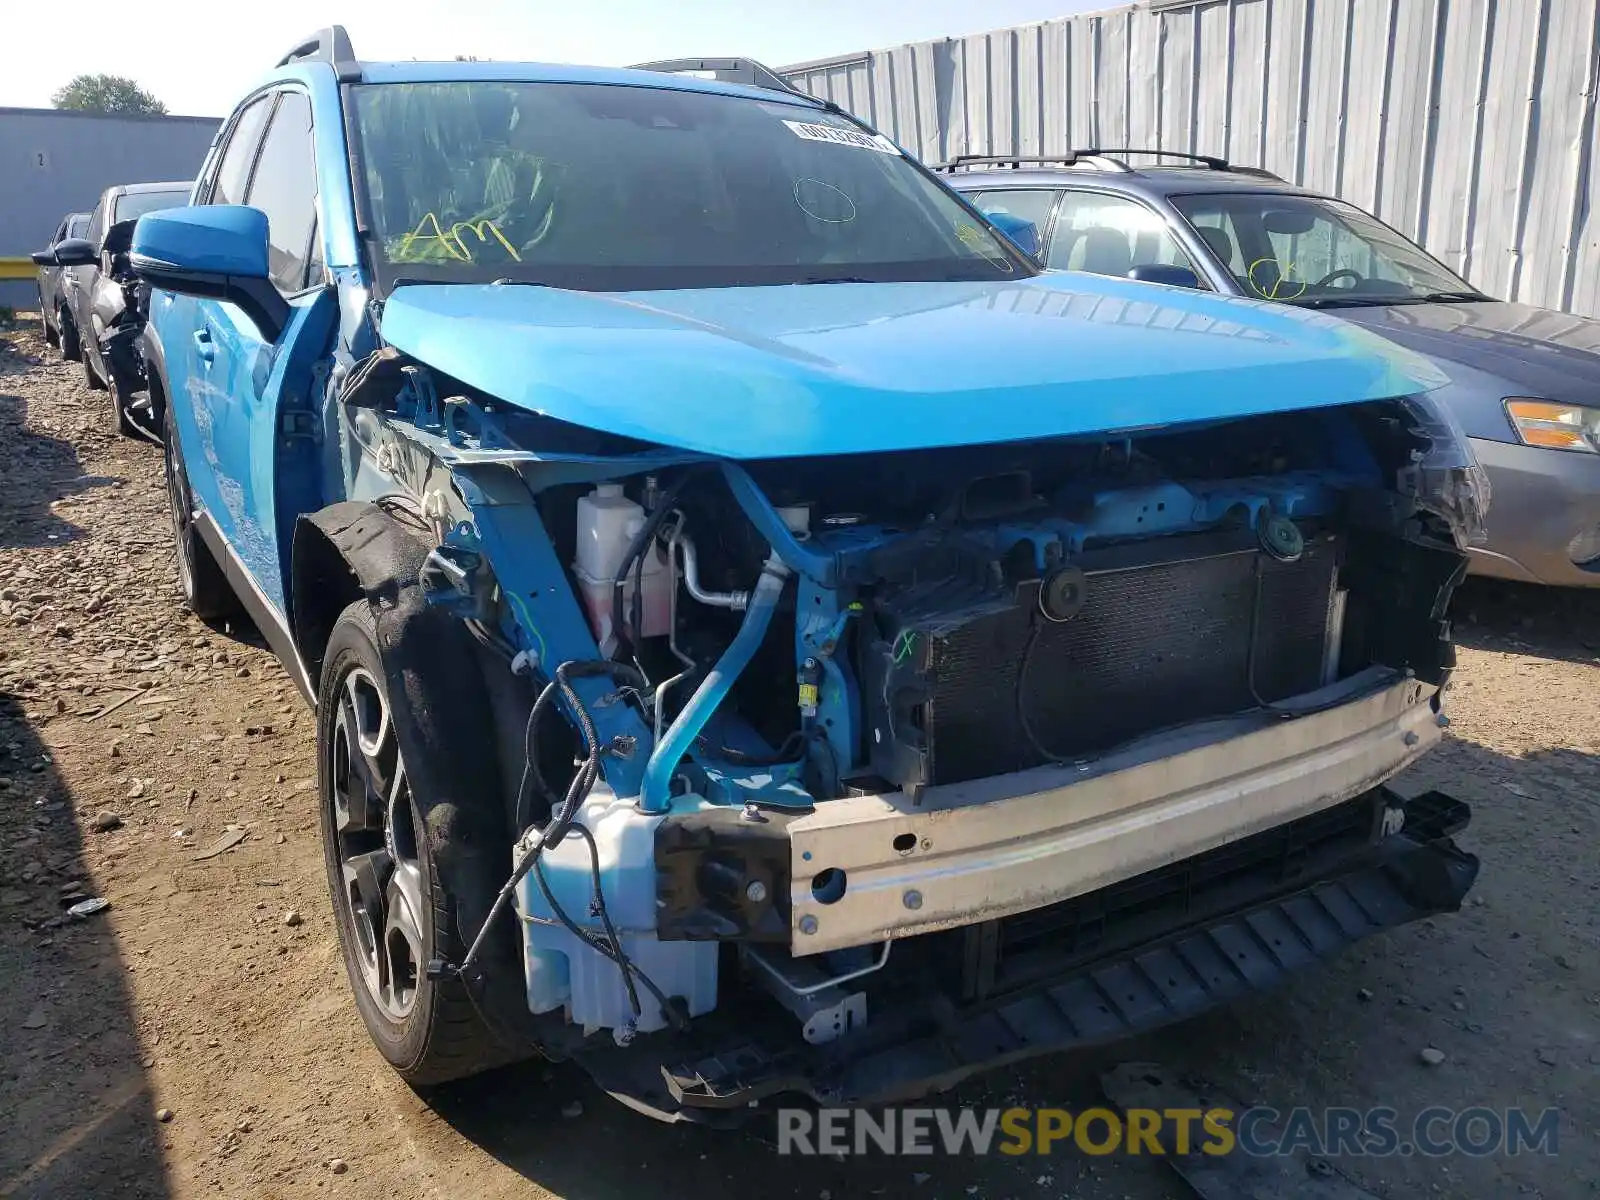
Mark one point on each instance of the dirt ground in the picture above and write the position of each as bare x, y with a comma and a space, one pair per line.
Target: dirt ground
197, 1038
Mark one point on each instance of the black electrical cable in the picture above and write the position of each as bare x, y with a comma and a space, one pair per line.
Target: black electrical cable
582, 782
575, 668
530, 757
589, 938
619, 956
783, 754
635, 553
491, 641
1028, 732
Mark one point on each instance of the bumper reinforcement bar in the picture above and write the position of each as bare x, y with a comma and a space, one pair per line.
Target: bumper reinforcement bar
716, 1072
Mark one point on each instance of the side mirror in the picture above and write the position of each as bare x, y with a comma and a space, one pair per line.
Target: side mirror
76, 252
43, 258
1161, 273
212, 252
1023, 233
118, 238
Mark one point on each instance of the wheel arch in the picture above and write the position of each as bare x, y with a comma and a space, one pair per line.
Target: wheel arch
340, 554
440, 701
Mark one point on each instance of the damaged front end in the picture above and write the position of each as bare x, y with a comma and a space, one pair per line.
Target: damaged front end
853, 774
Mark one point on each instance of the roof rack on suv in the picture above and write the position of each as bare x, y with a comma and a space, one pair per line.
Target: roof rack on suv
1099, 157
1071, 158
330, 45
729, 70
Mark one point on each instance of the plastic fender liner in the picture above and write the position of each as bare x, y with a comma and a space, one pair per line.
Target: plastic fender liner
440, 707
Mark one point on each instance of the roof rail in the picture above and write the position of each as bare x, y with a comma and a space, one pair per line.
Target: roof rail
330, 45
1100, 157
1071, 158
1216, 164
729, 70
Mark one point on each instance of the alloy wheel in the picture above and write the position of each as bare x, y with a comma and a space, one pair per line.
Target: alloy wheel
375, 828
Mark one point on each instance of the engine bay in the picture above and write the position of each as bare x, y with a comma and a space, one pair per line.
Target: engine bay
965, 613
751, 656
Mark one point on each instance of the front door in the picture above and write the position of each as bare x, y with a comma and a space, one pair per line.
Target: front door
235, 381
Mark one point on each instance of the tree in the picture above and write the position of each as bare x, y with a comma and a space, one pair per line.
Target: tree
108, 94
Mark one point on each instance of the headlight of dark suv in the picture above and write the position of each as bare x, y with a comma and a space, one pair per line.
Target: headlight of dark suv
1555, 426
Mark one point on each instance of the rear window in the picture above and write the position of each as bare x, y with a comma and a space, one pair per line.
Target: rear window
133, 205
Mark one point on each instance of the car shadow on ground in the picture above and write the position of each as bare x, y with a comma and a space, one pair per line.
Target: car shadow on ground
38, 480
1523, 618
79, 1113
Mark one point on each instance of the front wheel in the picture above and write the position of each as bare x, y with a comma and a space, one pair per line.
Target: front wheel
122, 422
71, 343
91, 378
391, 908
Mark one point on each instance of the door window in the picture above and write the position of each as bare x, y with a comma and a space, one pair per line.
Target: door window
1110, 235
233, 171
97, 223
284, 186
1028, 204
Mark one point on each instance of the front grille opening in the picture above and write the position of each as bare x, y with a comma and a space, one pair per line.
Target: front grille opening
1155, 645
1032, 945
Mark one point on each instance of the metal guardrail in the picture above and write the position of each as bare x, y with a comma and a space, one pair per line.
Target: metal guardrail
17, 268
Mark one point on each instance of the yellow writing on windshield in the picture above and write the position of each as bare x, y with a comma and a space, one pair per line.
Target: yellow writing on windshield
429, 232
1277, 282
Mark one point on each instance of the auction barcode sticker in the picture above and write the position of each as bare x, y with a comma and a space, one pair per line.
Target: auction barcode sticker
842, 137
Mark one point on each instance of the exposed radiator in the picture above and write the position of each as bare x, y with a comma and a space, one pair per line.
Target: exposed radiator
1158, 643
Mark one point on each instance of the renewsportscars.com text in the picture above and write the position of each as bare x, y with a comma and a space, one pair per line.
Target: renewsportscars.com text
1259, 1131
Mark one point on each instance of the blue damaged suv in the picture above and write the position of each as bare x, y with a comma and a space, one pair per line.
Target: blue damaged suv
765, 635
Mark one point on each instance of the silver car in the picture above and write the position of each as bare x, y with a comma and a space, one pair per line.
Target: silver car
94, 299
1524, 382
59, 329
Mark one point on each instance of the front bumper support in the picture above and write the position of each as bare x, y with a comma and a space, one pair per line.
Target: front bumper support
720, 1068
1011, 843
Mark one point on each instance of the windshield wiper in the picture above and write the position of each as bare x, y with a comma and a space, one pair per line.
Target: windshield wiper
836, 279
1387, 301
1345, 301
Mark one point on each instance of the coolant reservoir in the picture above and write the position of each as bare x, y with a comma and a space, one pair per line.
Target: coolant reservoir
607, 522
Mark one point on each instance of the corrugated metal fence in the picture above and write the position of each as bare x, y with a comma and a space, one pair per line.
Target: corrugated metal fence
1467, 124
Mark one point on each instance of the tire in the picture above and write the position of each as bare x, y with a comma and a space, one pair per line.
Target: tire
67, 334
121, 422
206, 592
91, 378
392, 912
52, 336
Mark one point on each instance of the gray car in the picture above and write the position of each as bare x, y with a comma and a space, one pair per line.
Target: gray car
1524, 382
59, 329
94, 299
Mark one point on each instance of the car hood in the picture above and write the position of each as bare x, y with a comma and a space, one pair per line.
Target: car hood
1538, 351
761, 372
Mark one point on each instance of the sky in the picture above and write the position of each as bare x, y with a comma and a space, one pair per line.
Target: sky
199, 56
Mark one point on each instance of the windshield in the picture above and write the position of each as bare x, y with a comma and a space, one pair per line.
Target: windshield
133, 205
1315, 252
605, 187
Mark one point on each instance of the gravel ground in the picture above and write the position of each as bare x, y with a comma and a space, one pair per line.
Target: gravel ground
197, 1038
